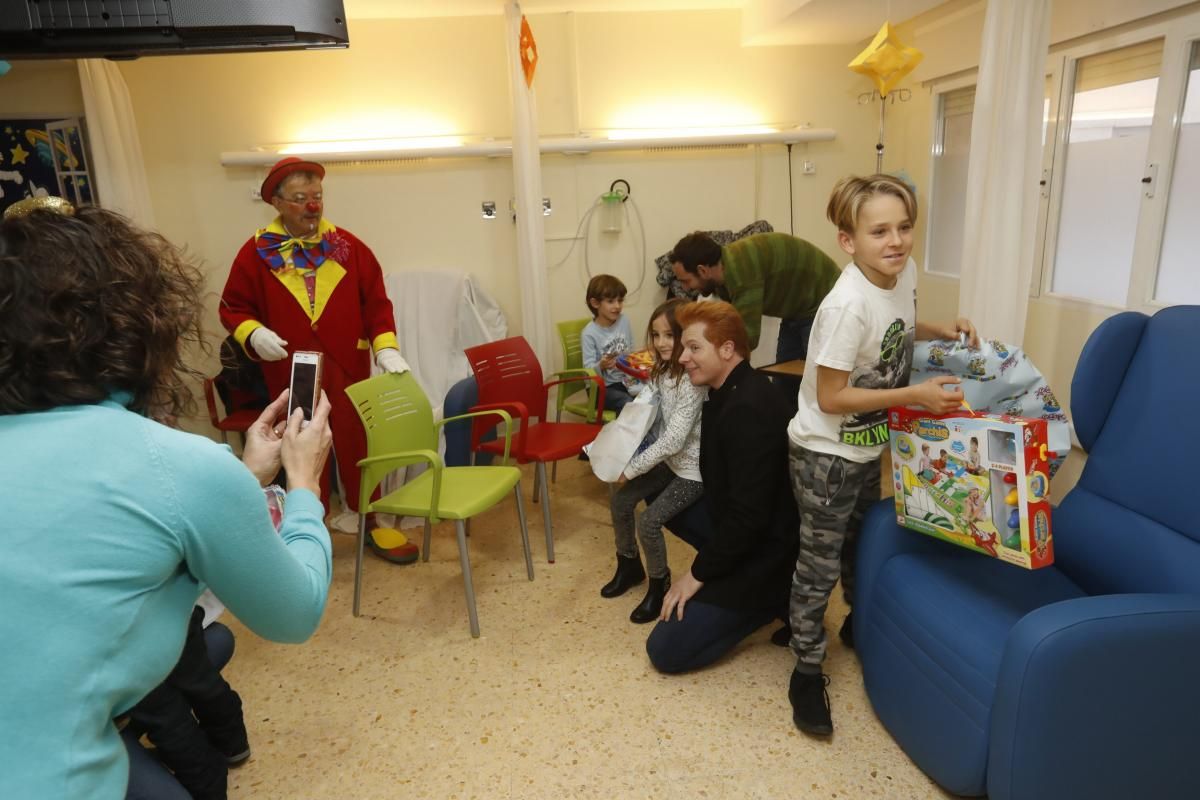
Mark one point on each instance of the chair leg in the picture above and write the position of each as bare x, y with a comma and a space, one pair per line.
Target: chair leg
554, 469
524, 530
428, 538
541, 473
358, 561
461, 530
468, 527
537, 481
224, 438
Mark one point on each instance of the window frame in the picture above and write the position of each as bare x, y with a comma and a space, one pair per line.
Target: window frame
1179, 33
940, 89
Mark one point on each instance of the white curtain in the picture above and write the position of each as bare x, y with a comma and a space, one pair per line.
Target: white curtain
119, 174
1002, 178
527, 185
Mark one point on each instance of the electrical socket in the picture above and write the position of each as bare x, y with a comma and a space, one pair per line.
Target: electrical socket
808, 167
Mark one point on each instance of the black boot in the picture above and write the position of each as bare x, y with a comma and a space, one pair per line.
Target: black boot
629, 574
782, 636
181, 743
651, 605
846, 634
810, 703
221, 719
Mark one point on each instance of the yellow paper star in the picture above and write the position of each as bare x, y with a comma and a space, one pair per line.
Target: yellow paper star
19, 154
886, 60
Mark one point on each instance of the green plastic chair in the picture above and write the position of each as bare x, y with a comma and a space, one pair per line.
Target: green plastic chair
569, 336
400, 431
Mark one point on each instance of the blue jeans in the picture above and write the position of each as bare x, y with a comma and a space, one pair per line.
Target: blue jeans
616, 397
149, 779
792, 344
705, 633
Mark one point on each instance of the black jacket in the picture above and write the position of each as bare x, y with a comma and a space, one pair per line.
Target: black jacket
748, 563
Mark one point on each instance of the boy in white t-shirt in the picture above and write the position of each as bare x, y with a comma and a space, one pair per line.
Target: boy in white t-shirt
859, 358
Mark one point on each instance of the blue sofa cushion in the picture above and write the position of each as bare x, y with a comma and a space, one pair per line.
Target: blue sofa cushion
938, 630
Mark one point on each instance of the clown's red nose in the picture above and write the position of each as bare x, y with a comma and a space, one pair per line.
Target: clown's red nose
313, 207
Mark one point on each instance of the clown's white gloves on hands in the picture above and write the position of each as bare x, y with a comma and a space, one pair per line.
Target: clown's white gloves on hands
390, 360
267, 344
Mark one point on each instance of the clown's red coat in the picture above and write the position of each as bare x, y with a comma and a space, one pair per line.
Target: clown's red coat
350, 316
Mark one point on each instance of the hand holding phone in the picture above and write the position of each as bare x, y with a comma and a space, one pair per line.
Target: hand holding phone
306, 382
306, 446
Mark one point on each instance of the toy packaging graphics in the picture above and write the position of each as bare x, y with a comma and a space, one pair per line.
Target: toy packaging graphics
981, 481
999, 378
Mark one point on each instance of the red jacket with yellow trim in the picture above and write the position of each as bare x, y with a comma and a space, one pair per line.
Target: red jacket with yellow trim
356, 313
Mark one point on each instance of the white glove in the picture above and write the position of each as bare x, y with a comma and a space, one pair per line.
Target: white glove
390, 360
267, 344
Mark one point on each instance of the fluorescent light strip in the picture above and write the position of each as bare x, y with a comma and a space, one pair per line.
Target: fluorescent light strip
578, 145
688, 133
370, 145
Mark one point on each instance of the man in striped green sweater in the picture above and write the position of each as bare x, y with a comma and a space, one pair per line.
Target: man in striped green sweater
767, 273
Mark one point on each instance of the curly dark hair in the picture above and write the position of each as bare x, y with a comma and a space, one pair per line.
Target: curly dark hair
91, 304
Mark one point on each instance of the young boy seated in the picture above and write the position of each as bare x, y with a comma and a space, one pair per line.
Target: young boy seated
607, 336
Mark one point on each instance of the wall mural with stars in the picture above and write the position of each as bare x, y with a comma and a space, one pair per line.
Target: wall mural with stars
43, 157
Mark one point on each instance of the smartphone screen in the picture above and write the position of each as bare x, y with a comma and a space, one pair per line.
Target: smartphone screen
306, 384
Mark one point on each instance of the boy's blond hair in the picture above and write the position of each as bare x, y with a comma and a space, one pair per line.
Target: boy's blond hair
850, 193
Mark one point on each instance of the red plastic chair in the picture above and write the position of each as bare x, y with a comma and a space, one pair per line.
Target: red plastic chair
510, 378
237, 421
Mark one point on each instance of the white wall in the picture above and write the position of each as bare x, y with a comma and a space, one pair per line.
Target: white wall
447, 76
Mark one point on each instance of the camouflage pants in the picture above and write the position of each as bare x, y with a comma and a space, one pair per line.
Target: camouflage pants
832, 495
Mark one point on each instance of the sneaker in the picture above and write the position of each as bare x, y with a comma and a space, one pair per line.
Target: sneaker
810, 703
846, 634
782, 636
392, 545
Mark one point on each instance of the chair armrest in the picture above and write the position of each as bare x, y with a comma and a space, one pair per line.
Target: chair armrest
519, 409
1096, 697
489, 412
567, 373
580, 375
376, 468
599, 403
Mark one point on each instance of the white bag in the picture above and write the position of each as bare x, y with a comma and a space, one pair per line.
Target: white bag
620, 439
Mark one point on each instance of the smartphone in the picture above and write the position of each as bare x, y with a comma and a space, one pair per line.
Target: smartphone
306, 382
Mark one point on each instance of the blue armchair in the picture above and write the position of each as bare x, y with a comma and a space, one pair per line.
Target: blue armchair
1081, 679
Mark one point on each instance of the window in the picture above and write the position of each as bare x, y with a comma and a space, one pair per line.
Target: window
1111, 112
70, 161
1178, 279
948, 193
1120, 188
948, 184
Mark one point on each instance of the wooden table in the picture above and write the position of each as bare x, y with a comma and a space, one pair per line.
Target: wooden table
787, 369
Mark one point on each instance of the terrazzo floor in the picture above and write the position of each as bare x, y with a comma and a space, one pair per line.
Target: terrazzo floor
556, 699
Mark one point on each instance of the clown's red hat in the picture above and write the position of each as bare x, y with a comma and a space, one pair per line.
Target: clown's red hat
283, 168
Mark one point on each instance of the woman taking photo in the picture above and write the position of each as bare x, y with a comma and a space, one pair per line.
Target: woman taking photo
114, 523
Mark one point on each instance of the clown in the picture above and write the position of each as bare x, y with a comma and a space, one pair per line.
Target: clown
301, 283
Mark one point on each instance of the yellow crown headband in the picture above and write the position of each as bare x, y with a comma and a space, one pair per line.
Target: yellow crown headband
23, 208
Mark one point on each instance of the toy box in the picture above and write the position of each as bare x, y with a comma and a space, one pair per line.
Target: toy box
981, 481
